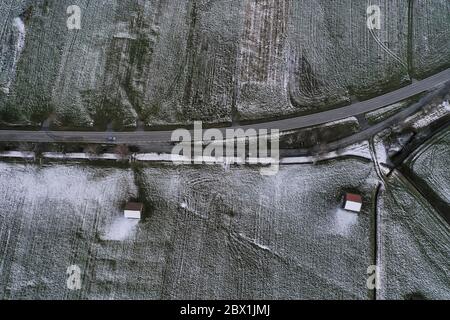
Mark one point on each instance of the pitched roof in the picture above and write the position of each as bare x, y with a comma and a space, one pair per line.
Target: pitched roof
353, 197
134, 206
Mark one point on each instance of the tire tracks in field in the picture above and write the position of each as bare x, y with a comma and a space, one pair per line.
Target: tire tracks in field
6, 266
384, 47
411, 225
245, 250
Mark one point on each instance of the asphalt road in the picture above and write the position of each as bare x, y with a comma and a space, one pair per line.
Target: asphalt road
149, 137
372, 130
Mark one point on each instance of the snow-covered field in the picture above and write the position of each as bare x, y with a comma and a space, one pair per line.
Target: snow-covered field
217, 232
210, 233
415, 245
54, 217
430, 163
267, 58
236, 234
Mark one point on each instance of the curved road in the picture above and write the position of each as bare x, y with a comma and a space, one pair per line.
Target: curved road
144, 137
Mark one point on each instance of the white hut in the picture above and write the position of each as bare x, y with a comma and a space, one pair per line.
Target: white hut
353, 202
133, 210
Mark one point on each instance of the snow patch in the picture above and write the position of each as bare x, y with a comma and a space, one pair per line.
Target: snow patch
19, 44
381, 153
343, 221
20, 27
163, 157
18, 155
356, 150
82, 156
121, 229
424, 119
446, 105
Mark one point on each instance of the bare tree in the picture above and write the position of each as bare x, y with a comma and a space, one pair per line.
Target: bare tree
122, 150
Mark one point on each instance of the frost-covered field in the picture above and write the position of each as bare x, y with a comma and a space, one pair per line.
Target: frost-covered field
54, 217
236, 234
415, 245
215, 233
431, 34
430, 163
179, 61
210, 233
